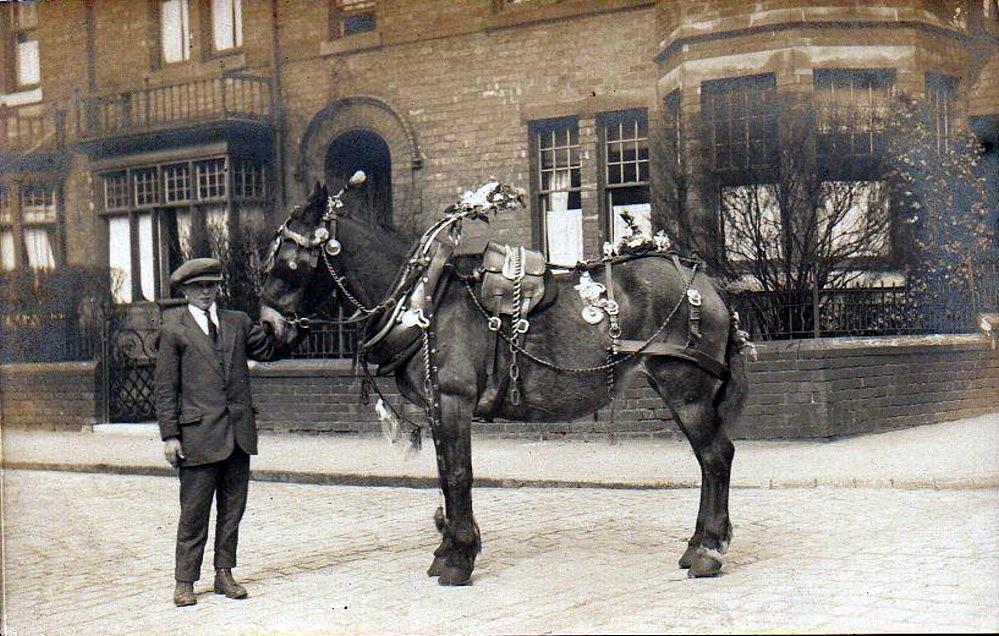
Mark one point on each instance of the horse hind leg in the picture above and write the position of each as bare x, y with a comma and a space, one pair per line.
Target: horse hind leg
698, 418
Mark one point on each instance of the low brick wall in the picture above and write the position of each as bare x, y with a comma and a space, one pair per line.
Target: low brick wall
62, 396
805, 389
844, 386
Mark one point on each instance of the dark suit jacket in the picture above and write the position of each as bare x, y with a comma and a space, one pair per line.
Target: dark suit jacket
206, 404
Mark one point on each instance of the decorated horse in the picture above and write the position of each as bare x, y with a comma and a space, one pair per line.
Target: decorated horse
504, 335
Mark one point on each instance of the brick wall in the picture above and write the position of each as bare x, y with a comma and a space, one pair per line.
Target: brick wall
807, 389
60, 396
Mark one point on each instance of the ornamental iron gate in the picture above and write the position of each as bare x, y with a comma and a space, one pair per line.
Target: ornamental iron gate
129, 354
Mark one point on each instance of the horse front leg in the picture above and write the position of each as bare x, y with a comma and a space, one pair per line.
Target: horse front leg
462, 541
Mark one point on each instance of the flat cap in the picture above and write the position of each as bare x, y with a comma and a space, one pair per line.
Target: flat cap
197, 270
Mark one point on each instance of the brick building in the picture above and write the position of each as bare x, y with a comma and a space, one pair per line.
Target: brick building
132, 126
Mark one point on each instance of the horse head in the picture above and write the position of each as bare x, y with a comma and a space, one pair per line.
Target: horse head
303, 247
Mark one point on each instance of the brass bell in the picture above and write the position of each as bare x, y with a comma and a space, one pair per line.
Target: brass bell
332, 247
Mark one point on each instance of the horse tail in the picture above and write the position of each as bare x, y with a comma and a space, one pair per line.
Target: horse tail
732, 397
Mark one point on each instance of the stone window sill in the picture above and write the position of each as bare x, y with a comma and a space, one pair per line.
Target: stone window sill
351, 43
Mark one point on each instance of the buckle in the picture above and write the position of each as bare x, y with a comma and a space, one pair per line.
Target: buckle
495, 323
694, 297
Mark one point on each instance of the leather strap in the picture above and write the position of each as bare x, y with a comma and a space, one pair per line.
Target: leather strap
702, 360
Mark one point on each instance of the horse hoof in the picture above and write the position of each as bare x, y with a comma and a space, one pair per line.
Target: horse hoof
455, 576
688, 557
704, 565
437, 566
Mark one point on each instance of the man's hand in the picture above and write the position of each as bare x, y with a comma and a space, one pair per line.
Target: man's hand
173, 451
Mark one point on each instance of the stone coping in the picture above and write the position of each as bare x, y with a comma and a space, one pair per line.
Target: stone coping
28, 368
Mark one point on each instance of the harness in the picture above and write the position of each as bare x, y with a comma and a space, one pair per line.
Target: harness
404, 322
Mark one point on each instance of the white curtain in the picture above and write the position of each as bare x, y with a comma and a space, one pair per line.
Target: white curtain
120, 258
40, 256
6, 250
175, 27
28, 67
227, 24
147, 270
563, 227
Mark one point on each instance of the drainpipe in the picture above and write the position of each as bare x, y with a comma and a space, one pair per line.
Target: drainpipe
278, 114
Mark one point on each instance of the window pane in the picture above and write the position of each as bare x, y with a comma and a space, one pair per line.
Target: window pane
146, 185
38, 204
39, 247
6, 250
634, 201
174, 29
6, 215
211, 179
28, 67
563, 229
120, 258
177, 183
115, 191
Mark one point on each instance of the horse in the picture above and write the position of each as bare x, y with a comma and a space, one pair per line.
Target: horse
563, 360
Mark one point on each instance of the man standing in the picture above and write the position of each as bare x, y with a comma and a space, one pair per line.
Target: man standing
206, 420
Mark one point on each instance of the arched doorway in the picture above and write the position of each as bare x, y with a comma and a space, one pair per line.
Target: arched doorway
362, 150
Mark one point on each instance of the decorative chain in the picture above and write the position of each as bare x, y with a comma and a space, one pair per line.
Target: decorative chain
388, 303
514, 333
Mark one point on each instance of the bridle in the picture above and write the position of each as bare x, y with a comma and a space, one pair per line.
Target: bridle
324, 244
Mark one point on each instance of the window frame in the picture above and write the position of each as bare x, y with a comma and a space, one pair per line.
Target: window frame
606, 185
186, 35
15, 34
223, 194
237, 26
942, 90
13, 205
538, 171
341, 12
838, 152
763, 86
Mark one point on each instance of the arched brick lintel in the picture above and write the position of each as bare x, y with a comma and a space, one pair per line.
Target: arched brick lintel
364, 112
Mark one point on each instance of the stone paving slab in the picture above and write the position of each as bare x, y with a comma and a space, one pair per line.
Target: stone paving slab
92, 554
959, 454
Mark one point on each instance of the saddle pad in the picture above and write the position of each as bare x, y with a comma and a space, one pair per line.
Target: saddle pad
498, 279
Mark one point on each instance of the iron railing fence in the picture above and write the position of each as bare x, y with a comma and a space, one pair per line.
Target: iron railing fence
54, 337
329, 341
862, 311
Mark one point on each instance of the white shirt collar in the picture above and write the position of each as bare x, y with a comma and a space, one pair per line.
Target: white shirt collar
201, 319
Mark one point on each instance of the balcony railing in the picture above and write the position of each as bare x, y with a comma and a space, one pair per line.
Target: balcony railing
226, 97
25, 129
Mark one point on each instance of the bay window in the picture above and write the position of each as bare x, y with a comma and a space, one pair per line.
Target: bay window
161, 215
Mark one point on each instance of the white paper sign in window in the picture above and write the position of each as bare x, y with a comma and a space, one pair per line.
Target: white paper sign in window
564, 229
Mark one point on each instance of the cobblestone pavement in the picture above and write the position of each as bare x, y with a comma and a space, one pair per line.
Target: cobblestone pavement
92, 554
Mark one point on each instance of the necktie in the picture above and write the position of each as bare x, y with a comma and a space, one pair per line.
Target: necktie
213, 331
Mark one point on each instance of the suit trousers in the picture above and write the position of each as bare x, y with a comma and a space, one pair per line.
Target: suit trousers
227, 481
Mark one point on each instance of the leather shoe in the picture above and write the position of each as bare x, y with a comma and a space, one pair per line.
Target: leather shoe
225, 584
183, 594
